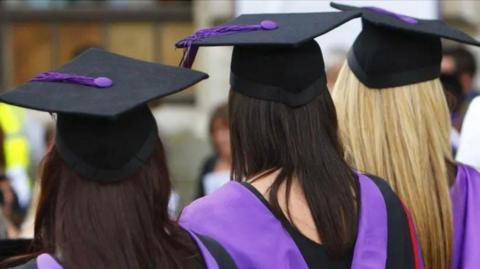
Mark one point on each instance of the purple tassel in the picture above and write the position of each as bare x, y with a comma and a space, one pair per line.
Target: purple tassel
99, 82
191, 50
401, 17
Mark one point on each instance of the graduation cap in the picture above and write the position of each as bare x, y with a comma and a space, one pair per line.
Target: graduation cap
105, 130
275, 57
394, 50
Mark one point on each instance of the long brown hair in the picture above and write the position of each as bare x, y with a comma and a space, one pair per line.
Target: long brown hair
125, 224
301, 143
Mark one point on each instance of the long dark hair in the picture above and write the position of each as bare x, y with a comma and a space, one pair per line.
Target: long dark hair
120, 225
300, 143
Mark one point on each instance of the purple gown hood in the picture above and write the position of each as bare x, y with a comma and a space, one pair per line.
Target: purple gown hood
465, 195
256, 239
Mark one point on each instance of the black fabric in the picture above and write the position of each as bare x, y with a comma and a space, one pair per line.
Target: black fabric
32, 264
134, 83
207, 167
293, 29
395, 50
282, 65
13, 247
289, 75
400, 251
314, 254
382, 58
223, 258
104, 149
434, 28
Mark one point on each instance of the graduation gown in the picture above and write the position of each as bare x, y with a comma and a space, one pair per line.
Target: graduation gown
465, 194
214, 256
255, 238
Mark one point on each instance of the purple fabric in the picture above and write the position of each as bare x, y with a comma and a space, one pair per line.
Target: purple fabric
99, 82
372, 239
401, 17
207, 257
45, 261
465, 195
191, 50
246, 228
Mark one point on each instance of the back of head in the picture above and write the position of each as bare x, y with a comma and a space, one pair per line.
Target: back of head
125, 224
402, 134
394, 117
105, 185
282, 118
301, 143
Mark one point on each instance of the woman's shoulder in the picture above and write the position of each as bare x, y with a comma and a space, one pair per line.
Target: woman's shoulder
466, 169
229, 194
403, 246
387, 192
467, 177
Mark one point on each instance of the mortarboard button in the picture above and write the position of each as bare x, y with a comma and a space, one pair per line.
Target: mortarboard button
103, 82
268, 25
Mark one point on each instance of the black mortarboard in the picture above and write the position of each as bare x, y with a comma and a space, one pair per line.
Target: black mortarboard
105, 130
395, 50
275, 56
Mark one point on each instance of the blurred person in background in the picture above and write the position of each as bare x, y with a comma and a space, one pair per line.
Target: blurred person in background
8, 201
3, 226
454, 95
395, 123
335, 58
104, 182
216, 168
28, 225
17, 157
460, 62
469, 148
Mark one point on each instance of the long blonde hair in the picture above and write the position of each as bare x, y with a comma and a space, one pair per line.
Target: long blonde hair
402, 135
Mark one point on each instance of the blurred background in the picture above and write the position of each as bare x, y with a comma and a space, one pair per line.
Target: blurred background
40, 35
